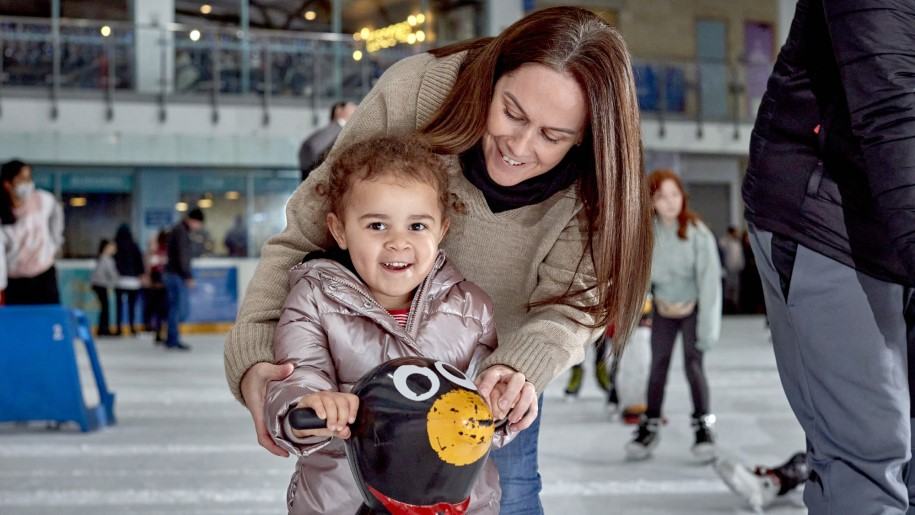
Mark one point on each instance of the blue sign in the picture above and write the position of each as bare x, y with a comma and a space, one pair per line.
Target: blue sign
648, 80
97, 183
214, 297
158, 218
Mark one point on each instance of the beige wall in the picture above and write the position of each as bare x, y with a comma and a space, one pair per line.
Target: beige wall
666, 28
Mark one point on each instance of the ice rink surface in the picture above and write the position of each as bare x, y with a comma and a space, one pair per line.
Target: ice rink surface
184, 445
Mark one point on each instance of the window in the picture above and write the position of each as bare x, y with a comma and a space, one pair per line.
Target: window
222, 200
270, 196
95, 204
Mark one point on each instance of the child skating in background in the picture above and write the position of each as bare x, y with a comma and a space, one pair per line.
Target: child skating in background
387, 292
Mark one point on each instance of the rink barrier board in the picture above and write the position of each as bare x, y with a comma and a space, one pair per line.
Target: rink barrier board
39, 375
220, 283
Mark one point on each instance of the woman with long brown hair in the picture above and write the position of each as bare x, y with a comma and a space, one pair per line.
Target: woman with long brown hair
539, 128
686, 289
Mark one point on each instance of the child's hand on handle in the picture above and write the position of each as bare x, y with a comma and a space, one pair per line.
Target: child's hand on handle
509, 394
338, 409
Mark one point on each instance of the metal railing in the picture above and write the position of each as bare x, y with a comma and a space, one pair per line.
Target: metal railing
700, 90
113, 57
319, 68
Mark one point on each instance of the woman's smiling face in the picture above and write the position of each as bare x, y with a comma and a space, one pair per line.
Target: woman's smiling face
535, 117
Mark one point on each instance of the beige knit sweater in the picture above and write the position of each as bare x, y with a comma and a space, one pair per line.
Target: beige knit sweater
516, 256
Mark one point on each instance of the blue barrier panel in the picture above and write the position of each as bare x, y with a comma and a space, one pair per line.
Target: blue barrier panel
39, 375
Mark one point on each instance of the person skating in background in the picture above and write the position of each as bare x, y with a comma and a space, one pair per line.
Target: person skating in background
31, 234
686, 295
601, 372
104, 278
129, 261
178, 276
759, 486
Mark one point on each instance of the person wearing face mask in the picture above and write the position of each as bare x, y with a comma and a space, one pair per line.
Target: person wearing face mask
539, 130
686, 295
31, 233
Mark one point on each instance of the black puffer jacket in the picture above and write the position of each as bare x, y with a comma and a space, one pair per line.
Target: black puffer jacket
832, 156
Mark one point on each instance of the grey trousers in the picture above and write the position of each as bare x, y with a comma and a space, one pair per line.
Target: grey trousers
841, 342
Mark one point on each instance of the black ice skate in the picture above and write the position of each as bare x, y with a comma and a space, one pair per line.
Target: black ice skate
704, 447
646, 439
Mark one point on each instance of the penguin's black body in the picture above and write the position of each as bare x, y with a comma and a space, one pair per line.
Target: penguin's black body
420, 439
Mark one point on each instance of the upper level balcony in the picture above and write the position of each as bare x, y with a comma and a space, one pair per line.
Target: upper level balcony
214, 64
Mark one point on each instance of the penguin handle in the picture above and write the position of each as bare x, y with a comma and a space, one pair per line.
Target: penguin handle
304, 419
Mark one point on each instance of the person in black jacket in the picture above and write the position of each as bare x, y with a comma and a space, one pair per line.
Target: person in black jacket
129, 261
178, 276
830, 199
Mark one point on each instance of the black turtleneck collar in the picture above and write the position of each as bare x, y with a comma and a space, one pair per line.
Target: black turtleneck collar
334, 254
526, 193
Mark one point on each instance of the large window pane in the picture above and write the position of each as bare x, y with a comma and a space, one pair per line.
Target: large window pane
222, 199
95, 204
270, 196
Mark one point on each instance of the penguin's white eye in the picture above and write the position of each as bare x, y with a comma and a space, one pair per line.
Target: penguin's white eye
454, 375
416, 383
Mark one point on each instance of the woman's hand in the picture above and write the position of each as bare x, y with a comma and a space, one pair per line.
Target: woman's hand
338, 409
254, 393
509, 394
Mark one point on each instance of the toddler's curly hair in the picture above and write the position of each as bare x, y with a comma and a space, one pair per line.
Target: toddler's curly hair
407, 158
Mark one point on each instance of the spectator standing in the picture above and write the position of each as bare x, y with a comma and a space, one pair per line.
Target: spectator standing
732, 260
31, 234
315, 147
178, 276
129, 261
103, 279
155, 305
236, 240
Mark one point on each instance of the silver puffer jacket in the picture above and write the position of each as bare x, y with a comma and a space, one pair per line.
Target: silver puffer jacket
334, 331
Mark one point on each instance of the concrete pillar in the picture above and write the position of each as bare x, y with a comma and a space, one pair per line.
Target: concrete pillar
152, 19
155, 193
502, 13
785, 15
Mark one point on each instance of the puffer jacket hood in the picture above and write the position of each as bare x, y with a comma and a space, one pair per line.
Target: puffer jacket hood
333, 331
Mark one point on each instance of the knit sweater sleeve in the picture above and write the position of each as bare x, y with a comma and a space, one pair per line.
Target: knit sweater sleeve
389, 108
553, 337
